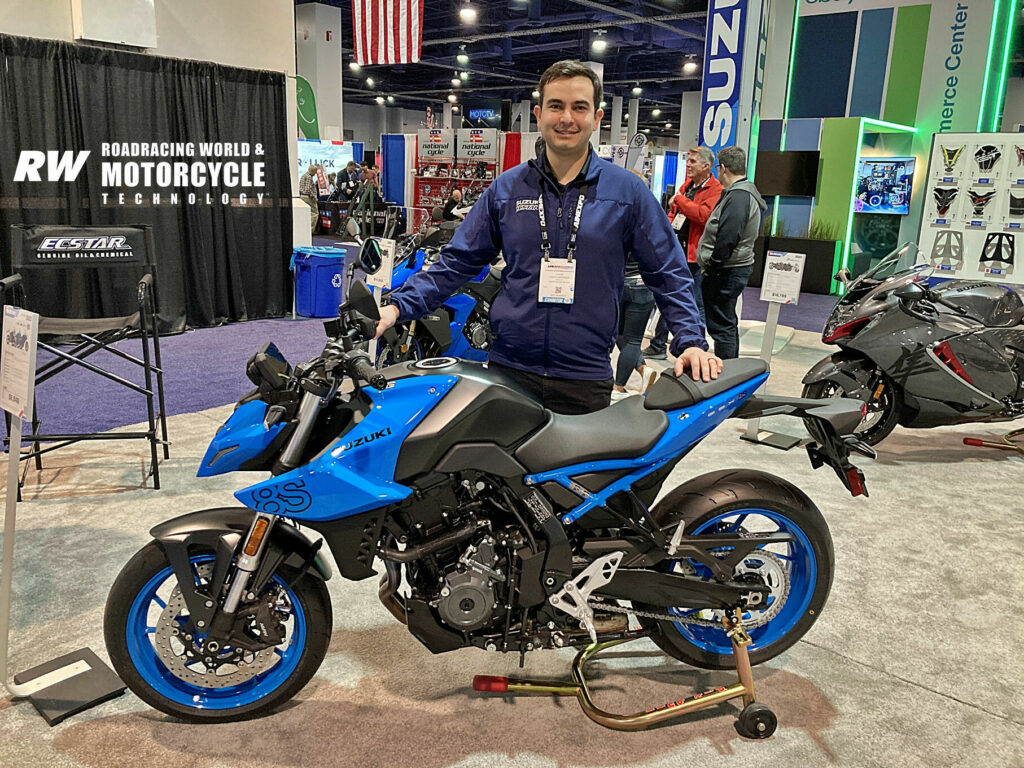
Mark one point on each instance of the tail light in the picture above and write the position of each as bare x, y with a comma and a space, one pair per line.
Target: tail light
846, 329
945, 354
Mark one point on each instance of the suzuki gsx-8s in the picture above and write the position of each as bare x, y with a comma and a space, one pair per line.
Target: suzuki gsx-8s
919, 355
494, 523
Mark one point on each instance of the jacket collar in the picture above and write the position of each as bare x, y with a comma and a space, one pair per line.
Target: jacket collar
588, 172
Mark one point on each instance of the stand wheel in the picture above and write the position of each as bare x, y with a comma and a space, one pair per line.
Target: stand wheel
756, 721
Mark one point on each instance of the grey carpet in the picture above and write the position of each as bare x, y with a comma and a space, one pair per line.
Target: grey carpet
914, 661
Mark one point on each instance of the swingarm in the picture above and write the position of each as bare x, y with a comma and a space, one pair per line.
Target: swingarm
832, 425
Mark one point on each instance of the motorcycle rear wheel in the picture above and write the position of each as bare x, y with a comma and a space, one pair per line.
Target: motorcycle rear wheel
137, 608
883, 412
727, 502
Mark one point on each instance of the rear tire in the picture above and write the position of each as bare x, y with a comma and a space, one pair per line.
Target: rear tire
137, 605
728, 501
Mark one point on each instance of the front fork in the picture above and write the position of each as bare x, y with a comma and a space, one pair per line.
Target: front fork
252, 549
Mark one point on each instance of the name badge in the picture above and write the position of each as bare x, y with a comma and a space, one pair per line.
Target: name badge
678, 221
557, 281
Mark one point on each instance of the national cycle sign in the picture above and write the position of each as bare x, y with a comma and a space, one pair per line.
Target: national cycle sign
723, 67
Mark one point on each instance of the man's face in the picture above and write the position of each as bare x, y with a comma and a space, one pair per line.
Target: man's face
696, 168
566, 117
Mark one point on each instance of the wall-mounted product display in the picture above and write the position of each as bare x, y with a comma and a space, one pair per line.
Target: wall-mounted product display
884, 185
975, 208
435, 167
476, 158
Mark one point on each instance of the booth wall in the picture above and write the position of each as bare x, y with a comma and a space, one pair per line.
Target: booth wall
254, 34
1013, 107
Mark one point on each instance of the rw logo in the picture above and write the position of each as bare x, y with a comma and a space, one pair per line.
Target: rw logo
60, 166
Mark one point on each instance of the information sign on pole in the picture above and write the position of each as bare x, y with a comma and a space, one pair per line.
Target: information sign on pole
780, 285
63, 686
382, 277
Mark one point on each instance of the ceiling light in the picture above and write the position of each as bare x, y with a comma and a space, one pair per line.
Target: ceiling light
690, 66
467, 14
603, 105
456, 82
637, 90
655, 112
668, 125
455, 110
536, 94
391, 99
599, 43
462, 57
452, 98
647, 130
626, 116
369, 82
379, 99
354, 66
464, 76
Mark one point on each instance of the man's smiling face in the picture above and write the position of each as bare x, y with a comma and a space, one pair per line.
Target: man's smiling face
566, 115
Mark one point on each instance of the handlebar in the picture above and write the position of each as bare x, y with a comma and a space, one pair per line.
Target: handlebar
358, 367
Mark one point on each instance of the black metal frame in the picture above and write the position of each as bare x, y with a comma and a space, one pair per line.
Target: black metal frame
88, 343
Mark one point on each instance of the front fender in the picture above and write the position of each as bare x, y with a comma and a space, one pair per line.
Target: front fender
222, 530
833, 368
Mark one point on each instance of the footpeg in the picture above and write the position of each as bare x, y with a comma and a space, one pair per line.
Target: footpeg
572, 598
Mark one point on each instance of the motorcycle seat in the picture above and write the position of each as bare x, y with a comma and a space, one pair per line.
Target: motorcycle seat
624, 430
669, 393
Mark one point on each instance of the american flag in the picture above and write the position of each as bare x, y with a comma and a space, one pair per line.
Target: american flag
476, 137
387, 31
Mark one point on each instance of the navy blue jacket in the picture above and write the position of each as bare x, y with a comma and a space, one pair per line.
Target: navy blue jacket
565, 341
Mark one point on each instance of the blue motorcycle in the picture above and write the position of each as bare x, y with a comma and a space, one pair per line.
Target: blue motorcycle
493, 523
460, 327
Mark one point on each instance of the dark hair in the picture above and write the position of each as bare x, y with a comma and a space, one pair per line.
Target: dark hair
568, 68
734, 160
366, 163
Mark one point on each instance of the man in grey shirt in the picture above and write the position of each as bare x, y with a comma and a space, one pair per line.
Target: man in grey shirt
725, 252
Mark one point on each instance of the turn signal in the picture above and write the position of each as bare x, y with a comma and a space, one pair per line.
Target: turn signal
258, 532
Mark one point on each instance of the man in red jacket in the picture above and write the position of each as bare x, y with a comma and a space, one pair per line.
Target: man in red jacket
689, 212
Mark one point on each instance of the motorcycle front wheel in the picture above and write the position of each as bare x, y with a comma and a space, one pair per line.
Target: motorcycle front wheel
798, 572
883, 412
166, 664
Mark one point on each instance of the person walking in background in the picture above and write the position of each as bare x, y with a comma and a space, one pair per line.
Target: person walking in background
689, 212
308, 194
634, 310
725, 252
369, 173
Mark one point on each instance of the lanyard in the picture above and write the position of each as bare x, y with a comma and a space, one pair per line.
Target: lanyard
545, 242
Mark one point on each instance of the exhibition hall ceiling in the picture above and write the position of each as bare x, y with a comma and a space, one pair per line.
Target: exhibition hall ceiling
656, 45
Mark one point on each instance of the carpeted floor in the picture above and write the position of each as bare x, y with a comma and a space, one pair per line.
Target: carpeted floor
914, 661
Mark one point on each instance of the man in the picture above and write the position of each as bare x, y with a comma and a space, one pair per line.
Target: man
454, 201
689, 212
555, 323
308, 194
725, 252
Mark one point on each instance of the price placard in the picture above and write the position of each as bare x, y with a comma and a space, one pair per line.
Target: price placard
18, 361
382, 277
783, 273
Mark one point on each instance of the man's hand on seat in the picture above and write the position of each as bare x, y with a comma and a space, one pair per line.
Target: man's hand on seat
703, 365
388, 317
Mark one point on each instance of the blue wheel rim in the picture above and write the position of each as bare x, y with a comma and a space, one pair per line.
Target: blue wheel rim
802, 565
139, 634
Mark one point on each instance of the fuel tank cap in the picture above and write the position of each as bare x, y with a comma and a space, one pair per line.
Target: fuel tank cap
433, 363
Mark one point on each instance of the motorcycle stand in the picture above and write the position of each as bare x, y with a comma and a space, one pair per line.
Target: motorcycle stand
756, 721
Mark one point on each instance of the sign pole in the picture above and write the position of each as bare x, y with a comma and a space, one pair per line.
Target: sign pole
76, 681
783, 273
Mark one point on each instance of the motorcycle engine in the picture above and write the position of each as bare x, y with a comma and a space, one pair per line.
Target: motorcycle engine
467, 600
478, 332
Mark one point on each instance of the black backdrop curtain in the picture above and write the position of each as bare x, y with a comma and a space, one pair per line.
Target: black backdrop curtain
215, 261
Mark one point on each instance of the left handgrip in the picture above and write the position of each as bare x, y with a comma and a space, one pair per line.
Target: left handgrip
360, 368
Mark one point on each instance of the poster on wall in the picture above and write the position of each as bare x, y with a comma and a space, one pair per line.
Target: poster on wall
973, 218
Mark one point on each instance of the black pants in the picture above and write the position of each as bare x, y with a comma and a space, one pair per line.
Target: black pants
722, 288
574, 396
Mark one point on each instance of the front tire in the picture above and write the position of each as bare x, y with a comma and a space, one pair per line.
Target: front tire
883, 412
141, 620
798, 572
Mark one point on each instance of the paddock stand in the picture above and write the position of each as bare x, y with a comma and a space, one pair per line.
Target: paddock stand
1011, 441
756, 721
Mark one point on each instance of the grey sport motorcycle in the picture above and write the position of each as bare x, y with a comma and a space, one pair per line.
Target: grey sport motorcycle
920, 355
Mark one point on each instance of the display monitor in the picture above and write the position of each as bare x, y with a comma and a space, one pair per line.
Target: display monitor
884, 185
791, 174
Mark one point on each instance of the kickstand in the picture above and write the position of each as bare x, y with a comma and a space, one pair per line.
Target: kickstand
756, 721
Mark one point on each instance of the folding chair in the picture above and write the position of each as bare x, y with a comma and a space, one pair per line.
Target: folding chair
72, 270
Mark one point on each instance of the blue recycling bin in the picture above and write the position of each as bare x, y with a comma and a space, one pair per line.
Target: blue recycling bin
320, 278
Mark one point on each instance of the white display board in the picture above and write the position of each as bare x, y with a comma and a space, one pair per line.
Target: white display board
974, 210
436, 145
783, 273
18, 362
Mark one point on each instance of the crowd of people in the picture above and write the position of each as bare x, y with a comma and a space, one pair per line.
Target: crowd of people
340, 187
